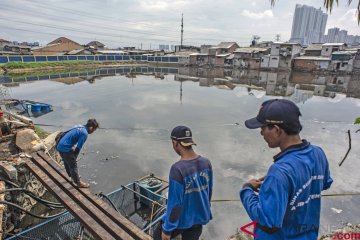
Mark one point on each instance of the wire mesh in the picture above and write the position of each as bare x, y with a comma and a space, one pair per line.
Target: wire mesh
141, 206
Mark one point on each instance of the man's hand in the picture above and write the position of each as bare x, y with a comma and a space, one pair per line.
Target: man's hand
164, 236
254, 183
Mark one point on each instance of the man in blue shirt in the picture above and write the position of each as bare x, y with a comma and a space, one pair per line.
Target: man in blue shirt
286, 202
75, 137
190, 189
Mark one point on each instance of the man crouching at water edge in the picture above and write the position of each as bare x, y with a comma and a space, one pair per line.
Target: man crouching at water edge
190, 189
289, 195
76, 136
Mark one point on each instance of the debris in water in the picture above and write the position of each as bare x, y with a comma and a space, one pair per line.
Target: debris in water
335, 210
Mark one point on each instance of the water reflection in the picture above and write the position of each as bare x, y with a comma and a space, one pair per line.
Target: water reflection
140, 107
299, 85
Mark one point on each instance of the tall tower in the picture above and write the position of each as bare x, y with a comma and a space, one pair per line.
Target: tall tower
308, 25
182, 30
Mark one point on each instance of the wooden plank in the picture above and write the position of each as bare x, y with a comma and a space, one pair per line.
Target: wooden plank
110, 212
95, 229
89, 207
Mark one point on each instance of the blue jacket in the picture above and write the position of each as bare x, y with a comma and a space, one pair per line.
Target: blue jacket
75, 136
190, 189
288, 204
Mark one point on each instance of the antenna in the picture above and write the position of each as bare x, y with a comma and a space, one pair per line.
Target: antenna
277, 37
182, 30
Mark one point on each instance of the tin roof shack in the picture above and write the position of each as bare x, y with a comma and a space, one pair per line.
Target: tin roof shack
328, 48
60, 45
199, 59
288, 51
80, 52
3, 43
313, 50
96, 45
229, 61
249, 57
16, 50
311, 63
343, 61
205, 48
357, 61
186, 48
223, 48
281, 56
220, 59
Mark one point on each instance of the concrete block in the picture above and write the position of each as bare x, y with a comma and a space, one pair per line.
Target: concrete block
28, 141
8, 170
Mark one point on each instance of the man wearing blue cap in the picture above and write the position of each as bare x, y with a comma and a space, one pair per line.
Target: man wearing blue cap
190, 189
286, 202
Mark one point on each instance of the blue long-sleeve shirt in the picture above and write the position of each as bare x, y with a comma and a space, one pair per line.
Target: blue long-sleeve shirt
288, 204
75, 136
190, 190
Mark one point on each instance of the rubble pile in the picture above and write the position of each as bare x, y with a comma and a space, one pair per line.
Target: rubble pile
17, 143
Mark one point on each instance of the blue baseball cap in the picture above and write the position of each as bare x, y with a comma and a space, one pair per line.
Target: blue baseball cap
183, 135
275, 112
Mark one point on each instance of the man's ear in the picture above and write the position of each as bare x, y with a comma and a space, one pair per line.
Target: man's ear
278, 130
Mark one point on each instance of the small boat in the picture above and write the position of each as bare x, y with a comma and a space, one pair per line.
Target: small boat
143, 202
26, 107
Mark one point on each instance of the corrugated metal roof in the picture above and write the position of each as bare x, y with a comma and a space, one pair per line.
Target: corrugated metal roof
75, 51
224, 45
313, 47
316, 58
333, 44
250, 49
223, 55
353, 52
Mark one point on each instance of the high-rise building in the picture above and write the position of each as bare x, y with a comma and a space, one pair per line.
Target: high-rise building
335, 35
308, 25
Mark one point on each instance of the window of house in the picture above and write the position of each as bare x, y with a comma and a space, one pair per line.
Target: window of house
326, 49
274, 58
262, 60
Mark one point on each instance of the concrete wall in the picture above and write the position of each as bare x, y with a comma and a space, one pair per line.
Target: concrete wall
310, 65
265, 60
274, 61
275, 49
344, 66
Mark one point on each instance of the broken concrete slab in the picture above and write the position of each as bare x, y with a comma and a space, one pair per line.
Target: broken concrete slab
28, 141
49, 141
8, 170
2, 208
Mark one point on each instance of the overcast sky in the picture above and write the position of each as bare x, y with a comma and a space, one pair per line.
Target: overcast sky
153, 22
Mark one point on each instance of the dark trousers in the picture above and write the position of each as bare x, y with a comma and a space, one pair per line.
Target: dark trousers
69, 159
192, 233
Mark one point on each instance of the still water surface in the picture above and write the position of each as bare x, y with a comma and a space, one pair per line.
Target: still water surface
143, 109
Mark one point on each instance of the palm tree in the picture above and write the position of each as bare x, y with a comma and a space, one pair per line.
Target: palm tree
329, 5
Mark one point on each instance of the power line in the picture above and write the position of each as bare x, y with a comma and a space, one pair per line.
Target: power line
83, 31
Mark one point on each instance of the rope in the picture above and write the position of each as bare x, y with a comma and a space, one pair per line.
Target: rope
152, 215
323, 195
28, 212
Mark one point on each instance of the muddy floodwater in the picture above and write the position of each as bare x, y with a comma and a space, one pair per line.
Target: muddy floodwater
139, 107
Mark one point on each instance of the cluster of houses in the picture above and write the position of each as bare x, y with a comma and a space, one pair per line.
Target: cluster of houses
277, 56
65, 46
328, 57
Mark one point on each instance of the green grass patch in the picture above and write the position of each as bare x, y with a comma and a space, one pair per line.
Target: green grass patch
40, 132
20, 65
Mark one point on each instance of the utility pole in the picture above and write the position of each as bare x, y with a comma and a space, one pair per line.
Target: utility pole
141, 46
182, 30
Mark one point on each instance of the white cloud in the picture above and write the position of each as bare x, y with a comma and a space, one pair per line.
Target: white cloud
161, 5
350, 15
257, 15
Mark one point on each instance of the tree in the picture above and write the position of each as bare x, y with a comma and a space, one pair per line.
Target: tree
328, 4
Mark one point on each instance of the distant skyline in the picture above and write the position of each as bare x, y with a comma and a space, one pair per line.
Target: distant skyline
119, 23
